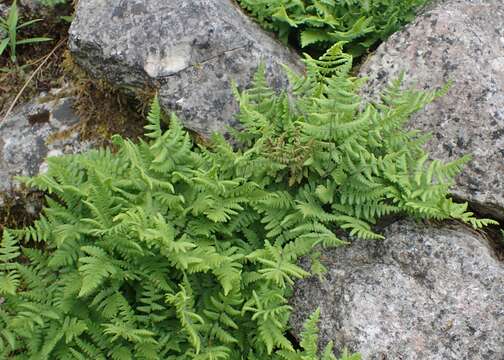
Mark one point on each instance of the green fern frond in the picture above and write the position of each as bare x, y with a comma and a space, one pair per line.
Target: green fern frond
167, 250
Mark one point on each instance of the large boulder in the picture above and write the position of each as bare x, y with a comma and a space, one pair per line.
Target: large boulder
425, 292
47, 126
460, 41
192, 50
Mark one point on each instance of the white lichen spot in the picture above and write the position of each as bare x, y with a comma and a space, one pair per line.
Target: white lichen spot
498, 64
176, 59
44, 166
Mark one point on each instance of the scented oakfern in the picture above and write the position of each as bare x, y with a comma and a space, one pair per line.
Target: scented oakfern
51, 2
166, 250
362, 23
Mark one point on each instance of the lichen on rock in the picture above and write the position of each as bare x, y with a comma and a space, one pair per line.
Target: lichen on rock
47, 126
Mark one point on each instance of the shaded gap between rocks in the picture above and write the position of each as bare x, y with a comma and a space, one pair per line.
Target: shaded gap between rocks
290, 335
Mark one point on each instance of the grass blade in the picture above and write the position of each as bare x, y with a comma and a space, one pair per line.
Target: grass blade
33, 40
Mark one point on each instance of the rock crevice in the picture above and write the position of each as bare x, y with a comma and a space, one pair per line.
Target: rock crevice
203, 62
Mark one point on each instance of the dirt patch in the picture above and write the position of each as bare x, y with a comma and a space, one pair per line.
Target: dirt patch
29, 58
20, 209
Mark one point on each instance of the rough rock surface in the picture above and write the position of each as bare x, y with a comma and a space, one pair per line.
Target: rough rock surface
4, 10
425, 292
33, 132
193, 49
36, 8
462, 41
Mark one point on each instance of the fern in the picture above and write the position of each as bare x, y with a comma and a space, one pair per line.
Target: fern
309, 345
51, 2
165, 250
360, 23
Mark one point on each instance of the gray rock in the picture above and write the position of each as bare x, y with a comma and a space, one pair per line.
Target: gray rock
462, 41
4, 14
425, 292
4, 11
33, 132
192, 49
37, 9
34, 6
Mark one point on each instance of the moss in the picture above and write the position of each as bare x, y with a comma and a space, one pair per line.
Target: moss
104, 109
20, 208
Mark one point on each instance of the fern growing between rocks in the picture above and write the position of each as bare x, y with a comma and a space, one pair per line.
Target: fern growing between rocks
362, 23
51, 2
166, 251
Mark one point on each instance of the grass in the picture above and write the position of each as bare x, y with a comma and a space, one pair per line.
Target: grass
103, 109
10, 27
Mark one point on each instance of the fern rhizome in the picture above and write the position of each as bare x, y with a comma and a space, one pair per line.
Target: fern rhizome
166, 250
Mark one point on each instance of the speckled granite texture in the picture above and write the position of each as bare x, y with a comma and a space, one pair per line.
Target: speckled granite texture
424, 293
193, 49
461, 41
25, 139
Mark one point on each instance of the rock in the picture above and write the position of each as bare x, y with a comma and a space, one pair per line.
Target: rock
462, 41
191, 49
425, 292
33, 132
37, 9
32, 6
4, 11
